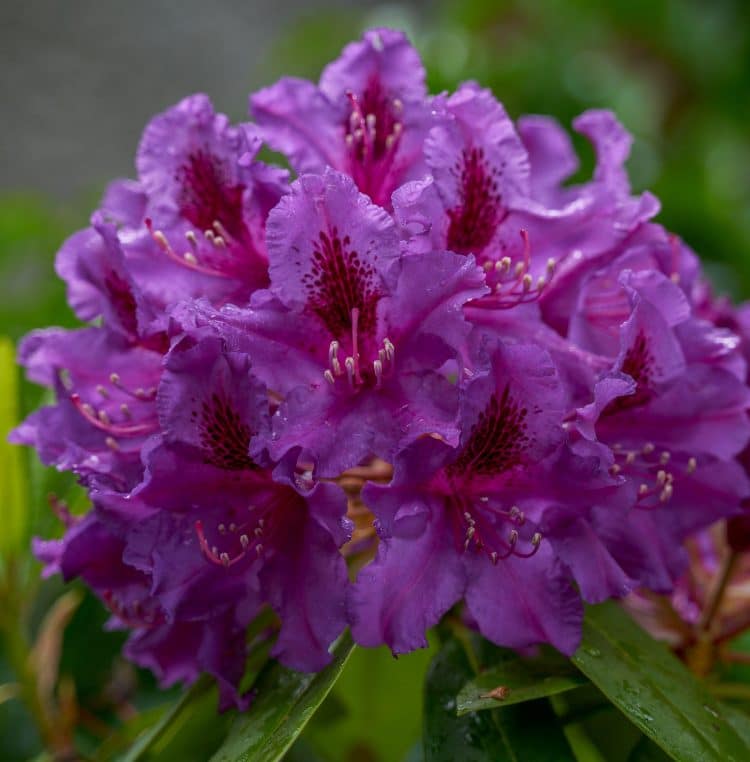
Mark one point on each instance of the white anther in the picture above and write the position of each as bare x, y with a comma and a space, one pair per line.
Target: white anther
220, 242
370, 120
468, 517
125, 410
397, 104
551, 264
111, 442
244, 541
536, 538
224, 558
630, 457
103, 417
692, 464
661, 477
664, 457
526, 282
233, 527
161, 239
114, 378
349, 365
258, 531
329, 377
390, 350
488, 266
470, 531
349, 140
505, 263
493, 557
397, 127
666, 493
259, 549
190, 258
513, 537
643, 489
648, 448
87, 409
333, 350
208, 235
541, 282
389, 141
377, 368
102, 390
222, 529
614, 469
520, 268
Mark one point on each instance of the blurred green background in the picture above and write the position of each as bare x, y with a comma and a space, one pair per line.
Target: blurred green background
676, 72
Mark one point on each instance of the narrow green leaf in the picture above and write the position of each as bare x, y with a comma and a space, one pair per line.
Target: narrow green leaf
286, 701
173, 718
515, 680
375, 709
13, 490
654, 689
510, 735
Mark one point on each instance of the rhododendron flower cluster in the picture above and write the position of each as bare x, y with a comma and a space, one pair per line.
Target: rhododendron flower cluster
520, 388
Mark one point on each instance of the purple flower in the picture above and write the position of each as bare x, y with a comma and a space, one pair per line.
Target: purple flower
105, 409
368, 117
194, 223
461, 522
542, 373
490, 196
229, 524
350, 333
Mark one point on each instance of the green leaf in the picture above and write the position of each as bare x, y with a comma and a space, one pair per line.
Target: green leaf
374, 711
176, 717
522, 679
654, 689
286, 701
511, 735
13, 493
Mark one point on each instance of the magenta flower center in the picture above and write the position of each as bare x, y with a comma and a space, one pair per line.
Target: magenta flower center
224, 436
474, 220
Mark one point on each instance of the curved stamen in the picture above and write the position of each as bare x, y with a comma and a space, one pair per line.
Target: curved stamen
101, 421
189, 259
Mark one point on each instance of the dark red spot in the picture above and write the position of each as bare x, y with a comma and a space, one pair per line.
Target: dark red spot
225, 437
497, 441
122, 300
376, 102
474, 220
639, 365
338, 282
208, 196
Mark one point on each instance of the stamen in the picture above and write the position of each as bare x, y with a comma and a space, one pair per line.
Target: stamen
692, 464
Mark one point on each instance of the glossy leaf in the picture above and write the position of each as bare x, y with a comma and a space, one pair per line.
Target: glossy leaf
510, 734
375, 709
654, 690
157, 736
513, 680
286, 701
